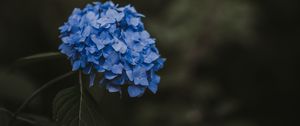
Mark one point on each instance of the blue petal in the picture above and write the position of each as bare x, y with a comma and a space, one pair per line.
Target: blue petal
153, 86
113, 88
108, 4
134, 21
141, 81
120, 16
110, 75
66, 40
130, 36
87, 31
76, 11
112, 28
79, 47
106, 37
138, 47
75, 38
92, 18
65, 49
92, 79
109, 52
132, 57
110, 61
105, 21
117, 69
88, 7
129, 75
91, 49
148, 66
150, 41
97, 3
64, 28
87, 70
111, 58
136, 91
111, 13
159, 64
120, 80
119, 46
76, 65
145, 35
92, 59
114, 14
98, 42
99, 68
140, 76
152, 56
74, 20
126, 65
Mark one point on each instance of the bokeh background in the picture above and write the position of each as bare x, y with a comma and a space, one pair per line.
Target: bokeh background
229, 62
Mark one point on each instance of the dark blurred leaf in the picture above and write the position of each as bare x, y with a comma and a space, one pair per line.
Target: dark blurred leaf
40, 120
4, 117
38, 57
38, 91
66, 108
15, 87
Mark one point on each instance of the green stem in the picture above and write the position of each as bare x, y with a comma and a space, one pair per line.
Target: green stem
18, 117
38, 91
81, 97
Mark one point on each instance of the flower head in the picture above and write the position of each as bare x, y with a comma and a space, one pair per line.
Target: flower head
112, 40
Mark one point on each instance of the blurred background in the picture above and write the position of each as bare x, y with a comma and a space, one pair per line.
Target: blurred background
229, 62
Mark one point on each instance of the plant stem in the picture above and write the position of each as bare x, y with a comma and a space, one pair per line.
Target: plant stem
38, 91
36, 58
18, 117
81, 97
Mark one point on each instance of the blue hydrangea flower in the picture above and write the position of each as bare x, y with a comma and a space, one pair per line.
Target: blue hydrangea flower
105, 38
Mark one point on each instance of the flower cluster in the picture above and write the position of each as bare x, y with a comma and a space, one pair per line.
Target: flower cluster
112, 40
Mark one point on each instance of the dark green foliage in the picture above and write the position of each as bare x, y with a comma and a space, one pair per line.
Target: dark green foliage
4, 117
66, 107
37, 57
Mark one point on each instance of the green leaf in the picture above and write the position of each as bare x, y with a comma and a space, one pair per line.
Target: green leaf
40, 120
66, 108
38, 57
4, 117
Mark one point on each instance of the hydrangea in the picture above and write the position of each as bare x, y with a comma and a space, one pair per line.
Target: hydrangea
105, 38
